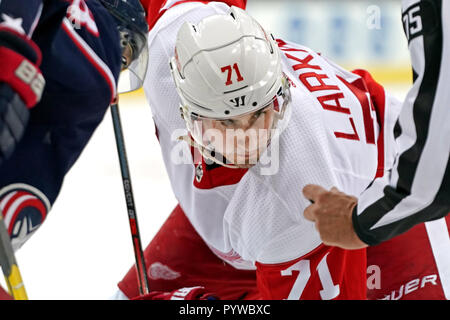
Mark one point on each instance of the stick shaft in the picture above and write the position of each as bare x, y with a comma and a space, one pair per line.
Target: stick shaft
129, 199
9, 265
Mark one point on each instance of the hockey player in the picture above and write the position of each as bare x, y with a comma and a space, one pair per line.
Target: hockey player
264, 118
78, 47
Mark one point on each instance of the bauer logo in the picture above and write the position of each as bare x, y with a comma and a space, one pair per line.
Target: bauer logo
24, 209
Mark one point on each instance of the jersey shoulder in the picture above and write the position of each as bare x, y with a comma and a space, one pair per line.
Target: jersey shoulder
95, 34
157, 8
83, 56
351, 107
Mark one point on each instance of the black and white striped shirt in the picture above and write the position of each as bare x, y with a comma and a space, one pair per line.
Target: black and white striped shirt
418, 188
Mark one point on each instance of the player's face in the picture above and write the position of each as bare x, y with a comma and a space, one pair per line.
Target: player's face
127, 54
241, 139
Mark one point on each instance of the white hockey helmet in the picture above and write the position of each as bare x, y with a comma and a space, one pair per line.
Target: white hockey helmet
227, 66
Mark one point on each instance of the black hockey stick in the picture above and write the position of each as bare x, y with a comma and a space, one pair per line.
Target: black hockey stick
138, 252
9, 265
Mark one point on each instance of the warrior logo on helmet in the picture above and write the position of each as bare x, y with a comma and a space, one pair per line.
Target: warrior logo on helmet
238, 101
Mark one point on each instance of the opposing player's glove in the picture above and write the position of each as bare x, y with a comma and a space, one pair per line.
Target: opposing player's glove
193, 293
21, 86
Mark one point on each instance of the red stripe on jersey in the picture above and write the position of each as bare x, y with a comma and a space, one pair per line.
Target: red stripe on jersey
98, 64
11, 200
35, 202
377, 101
359, 89
378, 98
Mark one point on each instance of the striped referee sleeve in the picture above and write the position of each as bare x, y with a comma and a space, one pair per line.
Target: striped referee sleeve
418, 188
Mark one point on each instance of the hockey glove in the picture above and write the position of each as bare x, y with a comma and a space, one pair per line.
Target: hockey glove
193, 293
21, 86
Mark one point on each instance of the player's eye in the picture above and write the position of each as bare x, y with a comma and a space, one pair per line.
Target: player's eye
258, 114
228, 122
127, 56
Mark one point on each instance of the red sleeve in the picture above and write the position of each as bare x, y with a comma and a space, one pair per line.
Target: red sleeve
378, 98
325, 273
360, 87
376, 91
154, 12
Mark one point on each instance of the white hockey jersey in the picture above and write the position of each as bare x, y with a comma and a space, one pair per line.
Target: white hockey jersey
339, 133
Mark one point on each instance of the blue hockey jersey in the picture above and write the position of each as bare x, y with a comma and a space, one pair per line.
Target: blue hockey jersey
81, 64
